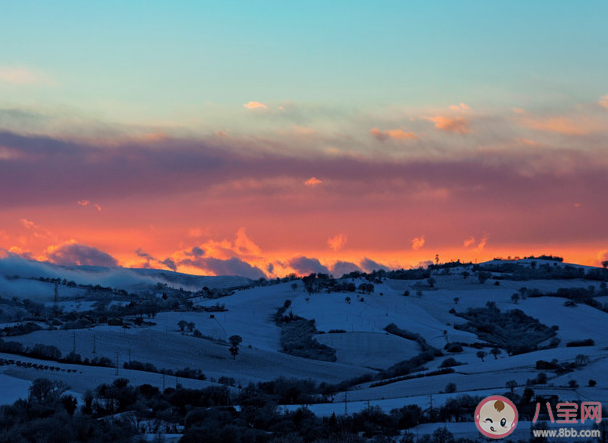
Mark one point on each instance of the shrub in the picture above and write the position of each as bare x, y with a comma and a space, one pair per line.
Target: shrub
21, 329
577, 343
450, 388
297, 338
511, 330
453, 347
45, 352
11, 347
449, 362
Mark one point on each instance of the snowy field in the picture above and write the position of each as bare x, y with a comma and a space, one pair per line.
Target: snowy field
358, 336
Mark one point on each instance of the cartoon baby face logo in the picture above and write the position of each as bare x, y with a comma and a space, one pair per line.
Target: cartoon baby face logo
496, 416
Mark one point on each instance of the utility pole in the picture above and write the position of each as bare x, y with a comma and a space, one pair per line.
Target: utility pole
163, 382
116, 362
56, 299
129, 356
94, 350
346, 401
74, 346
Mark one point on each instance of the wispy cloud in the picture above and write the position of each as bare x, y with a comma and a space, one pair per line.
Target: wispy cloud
565, 124
20, 76
417, 242
462, 107
395, 134
337, 242
469, 242
482, 243
604, 101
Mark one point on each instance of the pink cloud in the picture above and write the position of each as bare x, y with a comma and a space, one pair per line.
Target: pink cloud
469, 242
395, 134
457, 125
604, 101
313, 181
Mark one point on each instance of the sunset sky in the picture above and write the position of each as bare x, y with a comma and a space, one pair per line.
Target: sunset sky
261, 138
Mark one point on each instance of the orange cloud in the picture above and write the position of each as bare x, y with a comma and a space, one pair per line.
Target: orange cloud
312, 182
468, 242
396, 134
255, 105
482, 243
29, 224
418, 242
457, 124
337, 242
242, 247
565, 125
471, 242
604, 101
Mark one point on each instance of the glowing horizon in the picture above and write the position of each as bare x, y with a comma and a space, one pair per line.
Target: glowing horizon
213, 138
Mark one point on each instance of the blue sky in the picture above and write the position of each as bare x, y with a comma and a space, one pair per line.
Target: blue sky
161, 59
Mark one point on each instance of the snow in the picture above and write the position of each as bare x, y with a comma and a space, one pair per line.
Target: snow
370, 349
12, 388
364, 347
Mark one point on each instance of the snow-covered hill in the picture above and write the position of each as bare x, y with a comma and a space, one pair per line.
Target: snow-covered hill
352, 323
